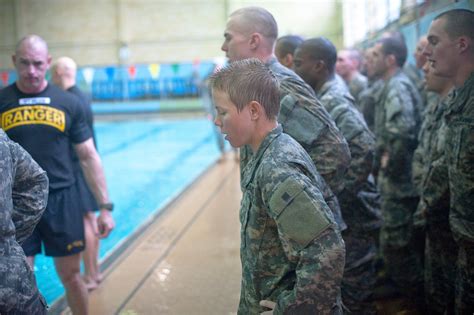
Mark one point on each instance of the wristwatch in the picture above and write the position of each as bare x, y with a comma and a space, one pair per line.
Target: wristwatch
107, 206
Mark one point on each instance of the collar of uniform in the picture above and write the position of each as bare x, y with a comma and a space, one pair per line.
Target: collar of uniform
460, 96
250, 168
326, 87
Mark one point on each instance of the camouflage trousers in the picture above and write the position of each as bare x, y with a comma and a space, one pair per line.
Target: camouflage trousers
401, 246
440, 268
464, 285
359, 277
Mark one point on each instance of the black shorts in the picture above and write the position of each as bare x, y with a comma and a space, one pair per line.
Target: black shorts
61, 228
86, 197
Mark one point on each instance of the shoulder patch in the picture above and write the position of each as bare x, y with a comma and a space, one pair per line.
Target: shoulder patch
299, 215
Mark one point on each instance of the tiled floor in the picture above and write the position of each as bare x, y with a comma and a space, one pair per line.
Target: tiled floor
187, 261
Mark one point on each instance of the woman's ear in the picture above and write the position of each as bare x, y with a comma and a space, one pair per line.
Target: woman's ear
255, 110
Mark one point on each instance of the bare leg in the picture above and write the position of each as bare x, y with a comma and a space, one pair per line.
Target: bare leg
68, 270
92, 275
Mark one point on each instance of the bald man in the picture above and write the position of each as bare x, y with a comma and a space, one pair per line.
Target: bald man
49, 123
251, 32
63, 74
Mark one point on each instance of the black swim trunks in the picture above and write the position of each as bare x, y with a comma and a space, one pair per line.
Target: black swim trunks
61, 228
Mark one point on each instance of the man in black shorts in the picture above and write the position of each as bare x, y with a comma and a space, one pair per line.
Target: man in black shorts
48, 123
63, 74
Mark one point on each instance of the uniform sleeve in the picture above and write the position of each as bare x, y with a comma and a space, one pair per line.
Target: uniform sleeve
361, 144
307, 231
400, 126
30, 192
319, 275
309, 123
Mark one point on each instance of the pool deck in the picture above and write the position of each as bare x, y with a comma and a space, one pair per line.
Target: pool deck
187, 261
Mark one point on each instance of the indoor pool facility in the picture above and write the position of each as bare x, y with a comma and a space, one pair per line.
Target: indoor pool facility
147, 164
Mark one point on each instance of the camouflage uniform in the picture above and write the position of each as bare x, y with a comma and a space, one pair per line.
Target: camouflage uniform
396, 132
305, 119
430, 172
417, 78
23, 197
460, 159
356, 85
367, 100
360, 201
291, 250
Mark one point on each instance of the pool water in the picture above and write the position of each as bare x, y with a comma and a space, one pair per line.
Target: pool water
147, 164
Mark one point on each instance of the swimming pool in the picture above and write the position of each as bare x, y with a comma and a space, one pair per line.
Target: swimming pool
147, 164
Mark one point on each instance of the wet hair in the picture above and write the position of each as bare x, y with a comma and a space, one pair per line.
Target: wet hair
259, 20
321, 48
394, 46
287, 44
459, 22
249, 80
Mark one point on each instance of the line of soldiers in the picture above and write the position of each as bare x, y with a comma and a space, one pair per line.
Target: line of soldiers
406, 193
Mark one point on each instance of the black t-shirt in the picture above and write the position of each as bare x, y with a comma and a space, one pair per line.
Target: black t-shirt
45, 124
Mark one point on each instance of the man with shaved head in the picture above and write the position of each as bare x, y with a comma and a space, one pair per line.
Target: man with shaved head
396, 129
315, 62
450, 51
347, 66
285, 49
251, 32
49, 123
63, 74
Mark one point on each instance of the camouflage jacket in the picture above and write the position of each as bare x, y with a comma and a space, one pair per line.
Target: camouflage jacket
357, 204
291, 251
429, 164
356, 85
23, 198
396, 131
460, 158
367, 100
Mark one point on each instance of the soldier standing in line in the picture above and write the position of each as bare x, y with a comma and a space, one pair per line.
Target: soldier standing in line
451, 53
371, 95
23, 198
285, 49
291, 249
314, 62
429, 164
396, 132
251, 32
347, 66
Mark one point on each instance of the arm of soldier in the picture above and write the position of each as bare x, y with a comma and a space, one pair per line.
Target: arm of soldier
306, 229
361, 144
400, 128
418, 165
29, 193
461, 179
94, 173
307, 122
